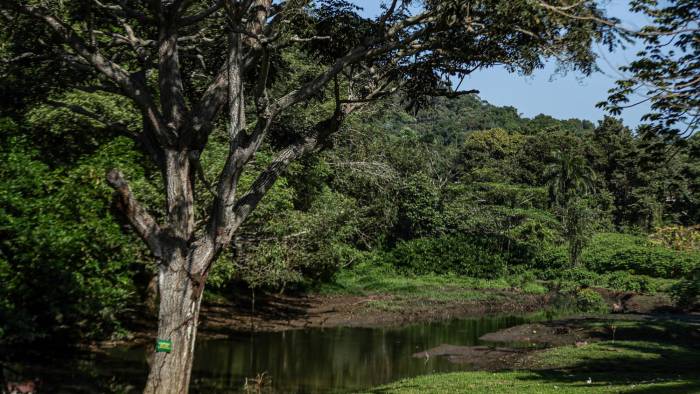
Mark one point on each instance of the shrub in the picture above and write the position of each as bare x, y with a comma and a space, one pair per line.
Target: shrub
686, 293
67, 271
551, 257
588, 300
526, 280
533, 288
622, 280
519, 275
621, 252
448, 254
570, 280
579, 276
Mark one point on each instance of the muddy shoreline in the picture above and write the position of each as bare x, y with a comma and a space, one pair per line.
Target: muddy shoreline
276, 312
516, 347
281, 313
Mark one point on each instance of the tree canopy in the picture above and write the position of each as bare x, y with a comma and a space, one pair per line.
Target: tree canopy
666, 73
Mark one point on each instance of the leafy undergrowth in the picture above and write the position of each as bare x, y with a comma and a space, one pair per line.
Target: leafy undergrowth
573, 290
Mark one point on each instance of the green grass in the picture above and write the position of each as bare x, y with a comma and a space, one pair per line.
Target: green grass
374, 277
622, 356
665, 362
366, 279
613, 367
371, 278
658, 329
523, 382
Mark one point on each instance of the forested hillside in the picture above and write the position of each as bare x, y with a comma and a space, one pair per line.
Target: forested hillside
459, 186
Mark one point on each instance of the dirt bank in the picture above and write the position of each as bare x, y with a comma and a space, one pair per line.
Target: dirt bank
288, 312
476, 357
559, 333
277, 313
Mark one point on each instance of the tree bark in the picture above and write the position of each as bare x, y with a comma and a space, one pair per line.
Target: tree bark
180, 281
180, 299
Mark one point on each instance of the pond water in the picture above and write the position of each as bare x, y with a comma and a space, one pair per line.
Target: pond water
329, 360
334, 360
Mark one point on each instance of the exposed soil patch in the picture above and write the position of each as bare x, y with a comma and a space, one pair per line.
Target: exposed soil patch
476, 357
547, 334
581, 330
514, 346
628, 302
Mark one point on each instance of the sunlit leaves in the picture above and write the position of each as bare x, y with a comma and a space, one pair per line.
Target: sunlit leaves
666, 74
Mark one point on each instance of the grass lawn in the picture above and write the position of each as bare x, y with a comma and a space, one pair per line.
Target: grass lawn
524, 382
376, 279
409, 291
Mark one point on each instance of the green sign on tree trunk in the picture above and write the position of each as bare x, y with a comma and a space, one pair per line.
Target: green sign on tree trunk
163, 346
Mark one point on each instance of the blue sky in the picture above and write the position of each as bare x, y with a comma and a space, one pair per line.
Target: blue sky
563, 97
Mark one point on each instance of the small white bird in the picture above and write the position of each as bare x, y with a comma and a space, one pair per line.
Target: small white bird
589, 381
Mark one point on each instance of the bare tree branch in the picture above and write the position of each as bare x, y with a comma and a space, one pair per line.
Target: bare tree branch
145, 225
80, 110
247, 203
201, 117
123, 10
202, 15
389, 12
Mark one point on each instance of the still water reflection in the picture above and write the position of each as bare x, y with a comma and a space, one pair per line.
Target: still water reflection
328, 360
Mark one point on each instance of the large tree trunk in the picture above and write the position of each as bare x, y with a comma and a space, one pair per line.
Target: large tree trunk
180, 298
180, 283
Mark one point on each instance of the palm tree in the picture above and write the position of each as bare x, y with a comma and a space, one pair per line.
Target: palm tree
569, 179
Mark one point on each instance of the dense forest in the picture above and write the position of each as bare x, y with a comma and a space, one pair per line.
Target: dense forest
458, 187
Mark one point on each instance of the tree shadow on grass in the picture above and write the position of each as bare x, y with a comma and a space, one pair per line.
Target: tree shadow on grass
654, 367
636, 383
676, 330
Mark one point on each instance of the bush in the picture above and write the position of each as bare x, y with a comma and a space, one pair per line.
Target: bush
622, 280
621, 252
551, 257
686, 294
526, 280
67, 271
572, 277
588, 300
448, 254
